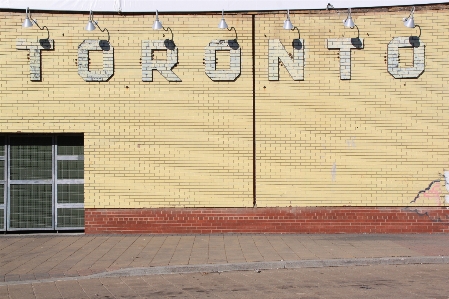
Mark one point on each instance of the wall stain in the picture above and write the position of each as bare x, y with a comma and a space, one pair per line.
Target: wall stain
334, 172
437, 219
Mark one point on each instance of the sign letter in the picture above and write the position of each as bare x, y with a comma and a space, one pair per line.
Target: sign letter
210, 56
35, 48
345, 45
294, 65
418, 57
83, 60
164, 67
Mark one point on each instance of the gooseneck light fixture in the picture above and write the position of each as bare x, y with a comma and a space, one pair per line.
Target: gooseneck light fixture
223, 25
289, 26
28, 22
91, 24
157, 25
349, 23
409, 22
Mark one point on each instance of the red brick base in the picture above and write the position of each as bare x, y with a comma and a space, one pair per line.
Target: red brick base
267, 220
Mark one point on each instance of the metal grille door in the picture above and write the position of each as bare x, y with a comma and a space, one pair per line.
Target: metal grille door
44, 184
69, 182
30, 183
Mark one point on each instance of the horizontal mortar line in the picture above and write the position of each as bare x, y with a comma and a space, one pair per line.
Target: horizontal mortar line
254, 266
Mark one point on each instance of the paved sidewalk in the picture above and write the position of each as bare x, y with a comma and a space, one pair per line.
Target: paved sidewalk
28, 258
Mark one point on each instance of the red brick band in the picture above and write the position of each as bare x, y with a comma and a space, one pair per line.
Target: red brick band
267, 220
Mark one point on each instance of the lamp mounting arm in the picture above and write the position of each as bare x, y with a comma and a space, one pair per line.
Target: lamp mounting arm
412, 11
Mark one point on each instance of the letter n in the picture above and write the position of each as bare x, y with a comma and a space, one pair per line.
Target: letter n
294, 65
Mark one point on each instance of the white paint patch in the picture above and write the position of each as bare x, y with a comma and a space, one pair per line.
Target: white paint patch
351, 142
446, 177
334, 172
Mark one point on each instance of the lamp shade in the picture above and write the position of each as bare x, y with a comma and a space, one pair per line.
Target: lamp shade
157, 25
288, 24
222, 24
409, 22
90, 26
349, 23
27, 23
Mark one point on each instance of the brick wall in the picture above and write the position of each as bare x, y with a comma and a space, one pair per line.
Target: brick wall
371, 141
147, 144
268, 220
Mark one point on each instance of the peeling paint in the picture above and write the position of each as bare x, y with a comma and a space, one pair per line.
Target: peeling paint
446, 177
433, 191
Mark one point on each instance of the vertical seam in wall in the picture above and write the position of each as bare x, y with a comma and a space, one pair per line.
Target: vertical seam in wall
254, 107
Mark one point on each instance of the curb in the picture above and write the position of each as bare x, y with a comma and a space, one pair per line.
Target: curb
218, 268
256, 266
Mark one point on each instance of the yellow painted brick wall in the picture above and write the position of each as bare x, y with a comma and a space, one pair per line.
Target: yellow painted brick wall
147, 144
370, 141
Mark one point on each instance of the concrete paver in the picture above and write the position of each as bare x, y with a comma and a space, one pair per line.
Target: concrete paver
94, 288
111, 266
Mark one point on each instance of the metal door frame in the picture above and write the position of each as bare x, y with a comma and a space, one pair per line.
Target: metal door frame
3, 206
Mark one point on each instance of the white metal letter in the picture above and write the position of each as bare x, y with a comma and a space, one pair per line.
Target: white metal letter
210, 56
35, 48
164, 67
294, 65
418, 57
83, 60
345, 45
